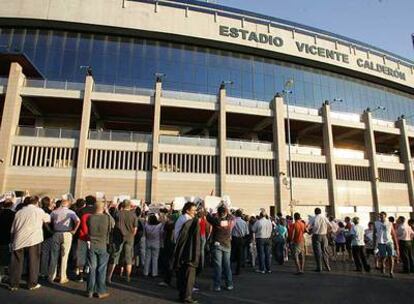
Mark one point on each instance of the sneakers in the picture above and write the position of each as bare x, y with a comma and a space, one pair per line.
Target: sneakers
217, 289
269, 272
64, 281
89, 295
13, 288
260, 271
37, 286
103, 295
229, 288
163, 284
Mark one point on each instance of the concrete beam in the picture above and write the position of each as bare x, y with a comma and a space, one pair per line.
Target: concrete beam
155, 141
407, 158
222, 139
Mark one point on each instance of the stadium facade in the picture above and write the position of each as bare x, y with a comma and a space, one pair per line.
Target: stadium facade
158, 99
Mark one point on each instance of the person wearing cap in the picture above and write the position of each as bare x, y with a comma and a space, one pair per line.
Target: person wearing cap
358, 246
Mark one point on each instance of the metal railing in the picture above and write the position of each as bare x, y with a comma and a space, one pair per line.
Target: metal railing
47, 132
116, 89
189, 96
188, 141
250, 103
249, 145
115, 135
346, 116
388, 158
303, 110
51, 84
305, 150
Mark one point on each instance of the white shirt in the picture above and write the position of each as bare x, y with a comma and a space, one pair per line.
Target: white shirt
320, 224
404, 232
263, 228
357, 233
27, 227
383, 232
179, 224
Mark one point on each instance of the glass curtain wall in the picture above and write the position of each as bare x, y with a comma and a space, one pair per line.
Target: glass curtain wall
129, 61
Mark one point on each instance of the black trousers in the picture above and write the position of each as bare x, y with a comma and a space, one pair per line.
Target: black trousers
166, 255
16, 265
237, 252
360, 260
406, 253
185, 282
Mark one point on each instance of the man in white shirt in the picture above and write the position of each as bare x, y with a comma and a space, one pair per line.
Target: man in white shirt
263, 231
405, 237
319, 227
27, 236
358, 246
65, 222
385, 240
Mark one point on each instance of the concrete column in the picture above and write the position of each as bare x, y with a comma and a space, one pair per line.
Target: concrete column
406, 158
83, 136
279, 150
155, 141
328, 145
10, 119
222, 139
372, 157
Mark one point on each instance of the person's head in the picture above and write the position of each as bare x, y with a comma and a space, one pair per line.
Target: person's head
152, 219
383, 216
370, 225
127, 204
45, 203
411, 222
279, 214
8, 204
121, 206
355, 220
58, 203
26, 201
80, 203
263, 214
189, 209
296, 216
99, 207
401, 220
238, 213
222, 211
65, 203
341, 225
331, 218
138, 212
347, 219
90, 200
391, 219
318, 211
33, 200
282, 221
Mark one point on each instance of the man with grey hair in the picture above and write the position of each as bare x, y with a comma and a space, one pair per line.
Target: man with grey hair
263, 231
65, 223
358, 246
320, 226
126, 225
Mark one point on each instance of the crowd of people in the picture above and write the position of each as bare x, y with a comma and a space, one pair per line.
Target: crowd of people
93, 240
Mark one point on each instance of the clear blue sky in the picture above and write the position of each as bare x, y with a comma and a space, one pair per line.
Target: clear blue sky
386, 24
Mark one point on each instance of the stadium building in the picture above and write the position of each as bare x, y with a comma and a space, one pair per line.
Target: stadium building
158, 99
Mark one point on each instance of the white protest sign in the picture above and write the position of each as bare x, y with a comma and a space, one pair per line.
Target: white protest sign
100, 195
123, 197
212, 202
179, 202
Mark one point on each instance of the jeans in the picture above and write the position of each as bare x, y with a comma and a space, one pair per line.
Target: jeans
264, 249
62, 243
151, 260
97, 262
46, 256
320, 250
360, 260
221, 264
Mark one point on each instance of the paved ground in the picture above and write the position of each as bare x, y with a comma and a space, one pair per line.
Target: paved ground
342, 285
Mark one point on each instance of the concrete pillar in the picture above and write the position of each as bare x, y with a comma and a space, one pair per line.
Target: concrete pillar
406, 158
10, 119
83, 136
328, 145
222, 139
155, 141
372, 157
279, 149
